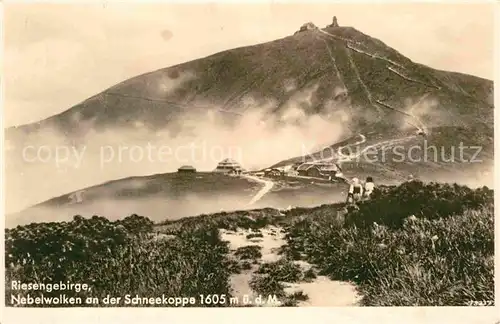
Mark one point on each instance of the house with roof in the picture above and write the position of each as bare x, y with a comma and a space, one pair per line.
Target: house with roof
273, 172
318, 169
229, 166
186, 169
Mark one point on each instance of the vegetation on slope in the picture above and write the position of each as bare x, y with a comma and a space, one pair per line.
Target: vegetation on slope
415, 244
411, 245
117, 258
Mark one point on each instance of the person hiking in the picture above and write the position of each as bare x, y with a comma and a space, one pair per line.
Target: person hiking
355, 191
369, 186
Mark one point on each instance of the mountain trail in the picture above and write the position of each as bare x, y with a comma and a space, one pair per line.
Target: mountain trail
268, 185
321, 291
173, 103
344, 157
382, 145
421, 127
334, 63
348, 47
393, 70
354, 68
375, 56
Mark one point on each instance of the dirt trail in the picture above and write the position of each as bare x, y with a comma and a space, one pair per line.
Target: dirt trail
268, 185
421, 127
174, 104
348, 46
322, 291
354, 68
345, 158
381, 144
375, 56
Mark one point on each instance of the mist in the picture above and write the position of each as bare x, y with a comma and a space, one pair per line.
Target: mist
157, 209
257, 137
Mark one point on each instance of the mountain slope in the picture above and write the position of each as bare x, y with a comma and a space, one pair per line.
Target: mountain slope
271, 101
163, 196
260, 71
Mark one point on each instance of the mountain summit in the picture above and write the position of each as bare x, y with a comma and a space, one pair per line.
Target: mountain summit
336, 64
335, 82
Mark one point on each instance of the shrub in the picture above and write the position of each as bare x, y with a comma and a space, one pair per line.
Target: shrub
293, 299
282, 270
136, 224
254, 235
267, 286
250, 252
391, 205
423, 262
113, 258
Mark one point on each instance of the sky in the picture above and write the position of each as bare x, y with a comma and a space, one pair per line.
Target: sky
57, 55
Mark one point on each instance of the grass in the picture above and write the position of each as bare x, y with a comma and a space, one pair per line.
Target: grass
271, 278
250, 253
254, 235
434, 259
282, 270
115, 261
412, 245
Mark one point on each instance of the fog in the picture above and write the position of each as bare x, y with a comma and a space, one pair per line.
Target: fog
257, 138
477, 177
165, 205
155, 208
255, 131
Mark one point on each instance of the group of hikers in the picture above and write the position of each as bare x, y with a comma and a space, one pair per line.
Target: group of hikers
360, 190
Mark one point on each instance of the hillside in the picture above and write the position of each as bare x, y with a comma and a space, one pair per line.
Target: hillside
162, 196
311, 89
174, 196
340, 63
432, 246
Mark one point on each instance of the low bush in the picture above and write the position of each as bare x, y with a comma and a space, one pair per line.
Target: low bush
441, 261
391, 205
254, 235
249, 252
116, 259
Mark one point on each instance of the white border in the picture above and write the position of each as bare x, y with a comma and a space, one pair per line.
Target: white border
487, 315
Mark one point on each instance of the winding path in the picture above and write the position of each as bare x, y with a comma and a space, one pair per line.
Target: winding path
268, 185
345, 158
382, 145
375, 103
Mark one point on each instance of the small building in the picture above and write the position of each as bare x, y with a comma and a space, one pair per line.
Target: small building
273, 172
306, 27
186, 169
318, 169
229, 166
296, 165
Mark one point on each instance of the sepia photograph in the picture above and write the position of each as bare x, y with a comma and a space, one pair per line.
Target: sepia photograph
224, 155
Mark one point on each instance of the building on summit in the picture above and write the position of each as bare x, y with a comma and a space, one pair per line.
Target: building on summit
229, 166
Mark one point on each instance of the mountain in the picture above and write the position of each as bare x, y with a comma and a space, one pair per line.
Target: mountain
305, 93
